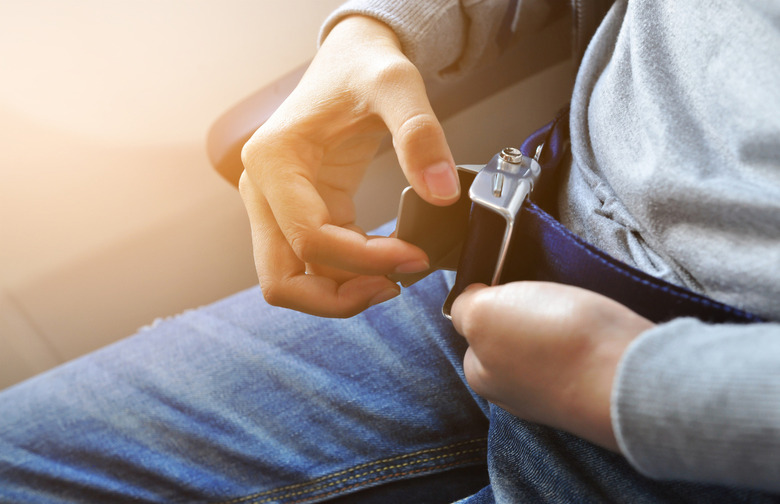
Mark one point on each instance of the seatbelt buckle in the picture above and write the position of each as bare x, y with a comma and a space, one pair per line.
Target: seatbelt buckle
501, 186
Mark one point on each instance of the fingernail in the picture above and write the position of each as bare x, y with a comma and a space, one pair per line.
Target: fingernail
441, 180
412, 267
384, 295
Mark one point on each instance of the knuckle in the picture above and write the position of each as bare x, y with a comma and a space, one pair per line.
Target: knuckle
249, 151
273, 293
346, 313
303, 243
396, 72
420, 128
262, 146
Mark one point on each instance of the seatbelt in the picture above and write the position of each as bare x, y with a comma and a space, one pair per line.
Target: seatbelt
510, 237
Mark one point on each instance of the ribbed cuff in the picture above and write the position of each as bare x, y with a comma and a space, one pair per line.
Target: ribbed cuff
432, 33
701, 402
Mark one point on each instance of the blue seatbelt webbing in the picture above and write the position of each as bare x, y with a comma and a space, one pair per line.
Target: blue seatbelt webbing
542, 249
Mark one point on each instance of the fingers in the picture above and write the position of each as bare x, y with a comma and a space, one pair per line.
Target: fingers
468, 310
547, 352
285, 281
529, 308
318, 232
300, 220
418, 137
304, 164
313, 238
324, 297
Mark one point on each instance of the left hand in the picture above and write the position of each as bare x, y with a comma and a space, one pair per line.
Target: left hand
546, 352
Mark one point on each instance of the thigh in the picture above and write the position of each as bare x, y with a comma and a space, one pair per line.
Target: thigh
243, 402
533, 463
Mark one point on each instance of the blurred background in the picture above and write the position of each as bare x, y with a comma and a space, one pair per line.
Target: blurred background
110, 213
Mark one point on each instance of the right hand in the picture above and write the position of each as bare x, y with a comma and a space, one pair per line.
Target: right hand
303, 166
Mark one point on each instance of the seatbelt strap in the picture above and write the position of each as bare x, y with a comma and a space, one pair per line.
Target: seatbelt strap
532, 245
540, 248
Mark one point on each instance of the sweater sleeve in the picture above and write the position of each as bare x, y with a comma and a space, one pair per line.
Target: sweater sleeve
701, 402
448, 38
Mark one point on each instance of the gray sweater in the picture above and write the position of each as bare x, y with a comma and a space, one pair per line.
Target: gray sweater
676, 170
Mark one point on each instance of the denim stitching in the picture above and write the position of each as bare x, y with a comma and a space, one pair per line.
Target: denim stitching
381, 478
355, 468
690, 297
323, 480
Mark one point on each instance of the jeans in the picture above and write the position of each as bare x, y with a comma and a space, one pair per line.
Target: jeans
240, 402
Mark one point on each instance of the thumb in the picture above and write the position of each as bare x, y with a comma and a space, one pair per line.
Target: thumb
418, 138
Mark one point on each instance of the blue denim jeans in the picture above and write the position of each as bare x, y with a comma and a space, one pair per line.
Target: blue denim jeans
240, 402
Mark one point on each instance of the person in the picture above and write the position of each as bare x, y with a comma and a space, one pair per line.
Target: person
568, 395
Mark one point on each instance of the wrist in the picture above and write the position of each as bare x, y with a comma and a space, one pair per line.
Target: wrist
358, 31
591, 408
587, 407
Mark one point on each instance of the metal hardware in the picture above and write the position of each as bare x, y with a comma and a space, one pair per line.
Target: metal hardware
517, 175
498, 184
502, 186
538, 153
512, 155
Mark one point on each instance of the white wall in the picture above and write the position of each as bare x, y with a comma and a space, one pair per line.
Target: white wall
110, 214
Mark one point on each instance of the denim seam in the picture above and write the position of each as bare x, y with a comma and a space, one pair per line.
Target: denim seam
325, 482
368, 473
381, 478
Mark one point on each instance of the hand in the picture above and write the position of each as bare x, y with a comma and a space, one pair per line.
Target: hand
547, 352
303, 166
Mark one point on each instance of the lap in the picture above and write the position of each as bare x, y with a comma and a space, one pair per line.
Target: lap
244, 402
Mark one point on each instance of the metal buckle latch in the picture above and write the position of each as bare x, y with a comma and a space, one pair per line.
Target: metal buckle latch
502, 186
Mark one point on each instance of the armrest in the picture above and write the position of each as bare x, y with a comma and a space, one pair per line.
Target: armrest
230, 131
